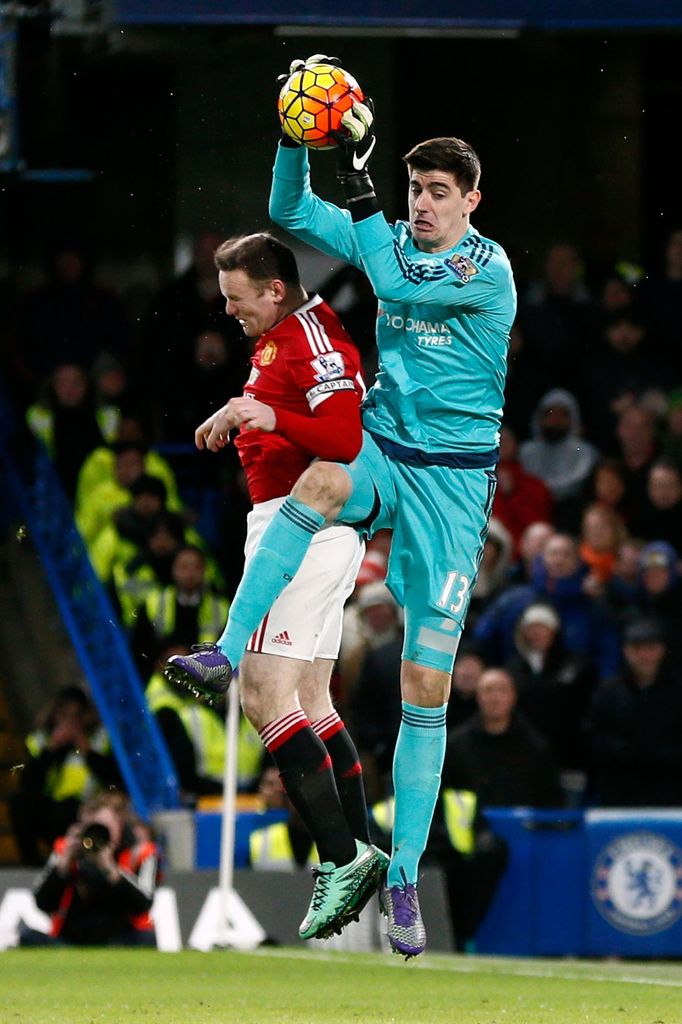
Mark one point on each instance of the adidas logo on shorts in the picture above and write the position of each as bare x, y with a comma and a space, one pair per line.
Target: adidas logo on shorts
282, 638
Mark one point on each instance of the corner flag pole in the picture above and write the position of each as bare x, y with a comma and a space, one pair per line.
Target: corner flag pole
226, 878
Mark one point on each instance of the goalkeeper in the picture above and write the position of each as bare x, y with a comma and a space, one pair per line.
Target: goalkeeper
431, 432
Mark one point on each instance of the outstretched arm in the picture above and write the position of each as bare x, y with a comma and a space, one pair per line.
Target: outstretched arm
294, 206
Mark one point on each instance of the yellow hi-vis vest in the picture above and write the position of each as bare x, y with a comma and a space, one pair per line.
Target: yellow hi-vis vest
40, 420
72, 778
203, 727
459, 809
206, 732
211, 615
270, 849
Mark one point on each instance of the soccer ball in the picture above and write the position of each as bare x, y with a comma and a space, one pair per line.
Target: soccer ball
312, 102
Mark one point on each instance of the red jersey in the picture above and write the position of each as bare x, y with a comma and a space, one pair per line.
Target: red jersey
305, 366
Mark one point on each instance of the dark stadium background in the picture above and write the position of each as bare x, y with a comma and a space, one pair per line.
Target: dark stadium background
176, 126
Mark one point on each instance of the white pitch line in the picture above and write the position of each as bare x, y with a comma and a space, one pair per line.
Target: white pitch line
462, 967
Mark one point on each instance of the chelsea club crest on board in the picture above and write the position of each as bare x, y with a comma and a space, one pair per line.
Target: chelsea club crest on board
637, 883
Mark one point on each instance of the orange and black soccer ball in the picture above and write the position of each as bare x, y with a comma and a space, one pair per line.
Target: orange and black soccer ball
312, 102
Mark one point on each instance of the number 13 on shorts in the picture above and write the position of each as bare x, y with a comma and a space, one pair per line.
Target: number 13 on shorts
454, 592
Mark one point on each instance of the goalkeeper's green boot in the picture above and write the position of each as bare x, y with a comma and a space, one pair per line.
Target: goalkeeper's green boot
340, 893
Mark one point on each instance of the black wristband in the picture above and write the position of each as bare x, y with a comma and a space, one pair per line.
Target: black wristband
360, 196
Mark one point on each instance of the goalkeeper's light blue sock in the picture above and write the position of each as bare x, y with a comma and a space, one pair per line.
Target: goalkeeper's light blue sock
417, 766
281, 550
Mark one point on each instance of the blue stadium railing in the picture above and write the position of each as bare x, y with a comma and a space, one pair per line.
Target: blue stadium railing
100, 645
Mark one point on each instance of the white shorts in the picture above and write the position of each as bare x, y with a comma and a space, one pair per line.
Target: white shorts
306, 619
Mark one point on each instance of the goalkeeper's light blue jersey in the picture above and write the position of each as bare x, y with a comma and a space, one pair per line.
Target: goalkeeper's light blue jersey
443, 323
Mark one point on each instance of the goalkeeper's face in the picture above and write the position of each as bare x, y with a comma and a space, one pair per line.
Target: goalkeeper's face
439, 213
256, 304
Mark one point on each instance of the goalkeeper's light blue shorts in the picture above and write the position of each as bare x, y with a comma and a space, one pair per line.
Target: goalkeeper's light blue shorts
439, 517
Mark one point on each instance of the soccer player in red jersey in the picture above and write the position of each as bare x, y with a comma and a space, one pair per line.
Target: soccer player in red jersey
301, 401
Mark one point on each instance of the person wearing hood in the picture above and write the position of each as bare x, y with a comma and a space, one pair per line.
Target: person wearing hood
553, 684
557, 452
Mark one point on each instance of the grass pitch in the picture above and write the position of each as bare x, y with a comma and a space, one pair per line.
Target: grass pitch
281, 986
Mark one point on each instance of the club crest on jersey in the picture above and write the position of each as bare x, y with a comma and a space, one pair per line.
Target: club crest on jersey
328, 366
268, 353
462, 267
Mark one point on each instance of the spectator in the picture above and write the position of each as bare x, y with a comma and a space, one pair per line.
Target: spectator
498, 755
557, 452
619, 288
600, 539
469, 666
376, 706
68, 759
195, 735
660, 591
558, 578
621, 593
130, 526
634, 724
607, 486
98, 885
377, 619
149, 567
188, 610
95, 510
69, 318
66, 421
100, 466
350, 294
465, 848
493, 570
553, 685
184, 309
376, 709
636, 433
525, 384
558, 314
114, 394
520, 498
660, 513
618, 372
531, 546
213, 376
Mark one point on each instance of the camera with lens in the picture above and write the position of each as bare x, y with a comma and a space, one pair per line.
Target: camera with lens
94, 838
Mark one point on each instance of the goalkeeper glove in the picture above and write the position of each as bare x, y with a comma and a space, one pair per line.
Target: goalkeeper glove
355, 144
299, 65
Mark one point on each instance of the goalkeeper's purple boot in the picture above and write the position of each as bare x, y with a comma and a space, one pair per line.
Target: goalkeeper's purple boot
406, 932
205, 672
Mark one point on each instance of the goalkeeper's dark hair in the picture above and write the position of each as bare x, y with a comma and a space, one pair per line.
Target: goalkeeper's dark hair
447, 154
261, 256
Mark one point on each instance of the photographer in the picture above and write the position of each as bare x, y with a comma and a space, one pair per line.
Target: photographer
98, 885
68, 759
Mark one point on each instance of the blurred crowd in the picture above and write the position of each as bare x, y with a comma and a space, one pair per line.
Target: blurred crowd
567, 688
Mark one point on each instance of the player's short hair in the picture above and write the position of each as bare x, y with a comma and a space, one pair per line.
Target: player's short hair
261, 256
447, 154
